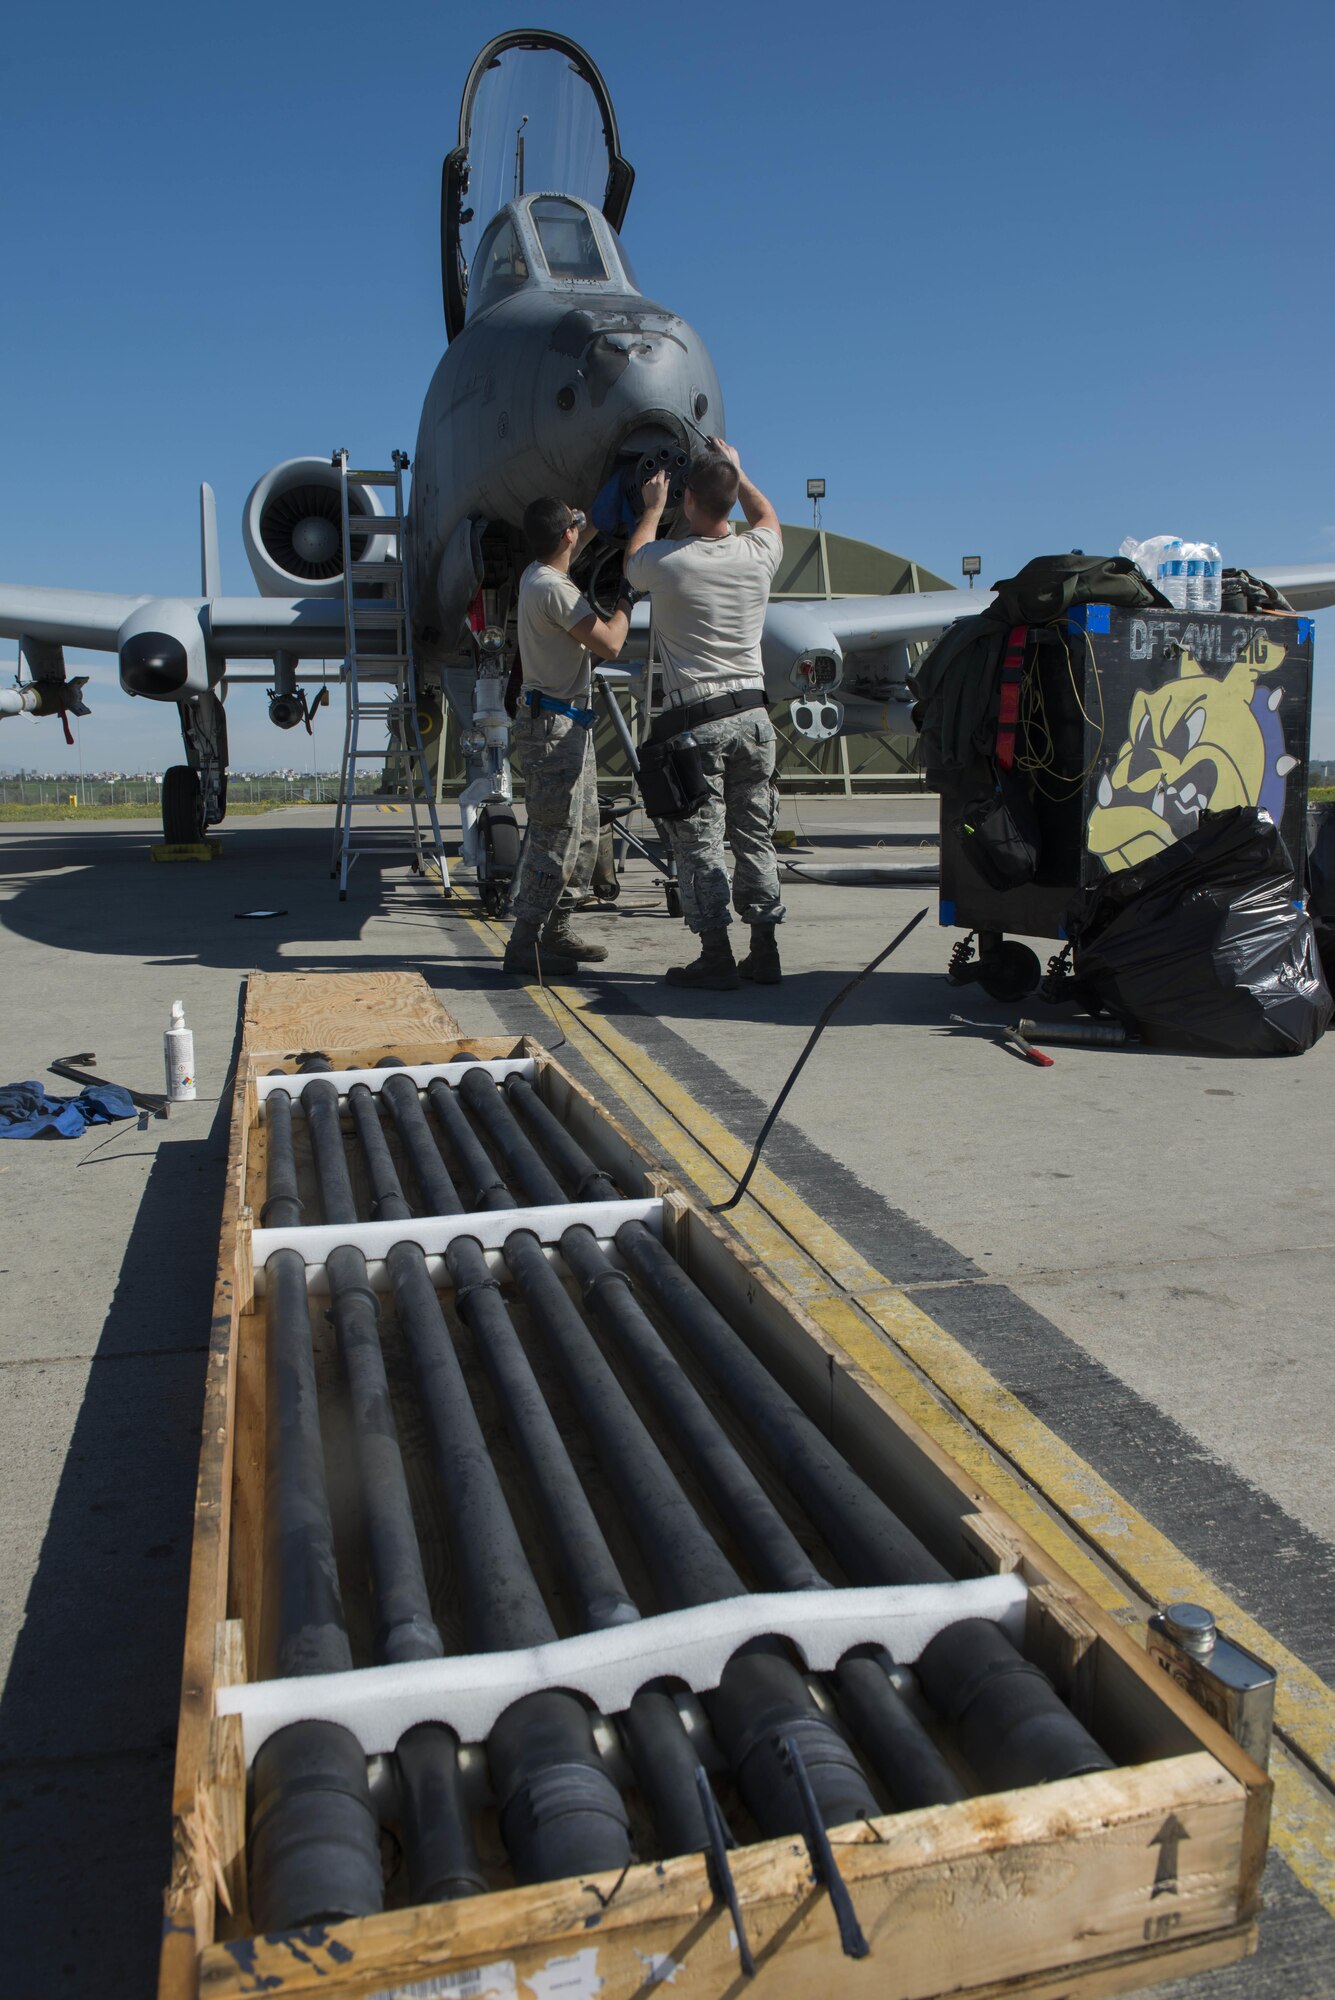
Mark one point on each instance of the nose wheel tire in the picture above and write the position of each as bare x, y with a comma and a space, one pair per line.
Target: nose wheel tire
672, 897
182, 806
1009, 972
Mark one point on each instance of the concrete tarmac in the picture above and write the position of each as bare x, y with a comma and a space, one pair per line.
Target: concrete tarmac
1140, 1246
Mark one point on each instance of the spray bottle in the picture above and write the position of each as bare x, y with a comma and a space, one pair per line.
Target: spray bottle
178, 1048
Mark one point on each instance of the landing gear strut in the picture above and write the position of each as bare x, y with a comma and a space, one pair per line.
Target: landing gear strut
194, 794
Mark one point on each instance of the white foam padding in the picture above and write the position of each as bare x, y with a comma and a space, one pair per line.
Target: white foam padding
434, 1233
375, 1079
469, 1692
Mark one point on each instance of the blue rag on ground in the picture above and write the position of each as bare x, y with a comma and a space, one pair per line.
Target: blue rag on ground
28, 1112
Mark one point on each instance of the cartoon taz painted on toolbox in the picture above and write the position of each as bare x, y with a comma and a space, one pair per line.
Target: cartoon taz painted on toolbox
1201, 741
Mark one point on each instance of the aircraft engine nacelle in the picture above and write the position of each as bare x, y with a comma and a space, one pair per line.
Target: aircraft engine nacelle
161, 651
293, 529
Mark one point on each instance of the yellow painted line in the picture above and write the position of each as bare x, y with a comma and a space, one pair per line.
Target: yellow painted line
830, 1279
1155, 1566
905, 1385
1300, 1828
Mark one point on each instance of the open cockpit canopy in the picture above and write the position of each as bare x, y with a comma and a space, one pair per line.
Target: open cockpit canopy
535, 116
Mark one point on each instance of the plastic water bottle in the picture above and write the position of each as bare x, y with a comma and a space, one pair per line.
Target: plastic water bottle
1212, 578
178, 1048
1193, 561
1172, 577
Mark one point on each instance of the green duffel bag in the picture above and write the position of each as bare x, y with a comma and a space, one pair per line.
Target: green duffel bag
1047, 587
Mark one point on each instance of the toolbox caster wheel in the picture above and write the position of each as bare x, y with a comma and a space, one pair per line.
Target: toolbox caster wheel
1009, 972
672, 897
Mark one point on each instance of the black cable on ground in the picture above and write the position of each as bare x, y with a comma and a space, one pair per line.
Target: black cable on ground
722, 1207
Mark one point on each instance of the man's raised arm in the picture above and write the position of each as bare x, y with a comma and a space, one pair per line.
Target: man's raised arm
757, 509
654, 493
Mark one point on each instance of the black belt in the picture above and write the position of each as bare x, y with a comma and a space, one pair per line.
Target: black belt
672, 721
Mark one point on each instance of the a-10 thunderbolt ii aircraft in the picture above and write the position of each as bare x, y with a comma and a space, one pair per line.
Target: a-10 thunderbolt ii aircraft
560, 377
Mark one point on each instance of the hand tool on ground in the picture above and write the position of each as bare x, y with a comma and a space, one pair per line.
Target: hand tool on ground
1011, 1037
1085, 1034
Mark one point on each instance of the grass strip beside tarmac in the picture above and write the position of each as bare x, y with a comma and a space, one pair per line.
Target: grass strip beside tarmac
21, 815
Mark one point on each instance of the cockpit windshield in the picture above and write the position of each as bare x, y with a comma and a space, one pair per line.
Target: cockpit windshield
536, 124
568, 242
499, 268
536, 119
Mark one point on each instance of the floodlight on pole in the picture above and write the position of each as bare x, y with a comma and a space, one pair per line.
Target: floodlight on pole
815, 494
972, 568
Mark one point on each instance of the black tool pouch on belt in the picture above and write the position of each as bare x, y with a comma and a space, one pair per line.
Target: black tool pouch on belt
672, 778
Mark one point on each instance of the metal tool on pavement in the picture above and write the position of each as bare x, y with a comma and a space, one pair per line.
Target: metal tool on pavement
1011, 1037
1080, 1034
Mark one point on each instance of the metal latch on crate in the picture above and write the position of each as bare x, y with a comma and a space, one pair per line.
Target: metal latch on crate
1233, 1686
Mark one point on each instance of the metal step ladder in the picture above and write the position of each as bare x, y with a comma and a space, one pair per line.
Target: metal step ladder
380, 678
665, 860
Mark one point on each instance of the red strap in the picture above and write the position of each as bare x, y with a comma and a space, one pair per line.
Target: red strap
65, 725
1008, 706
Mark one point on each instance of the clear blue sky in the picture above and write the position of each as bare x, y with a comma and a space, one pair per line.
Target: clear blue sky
1012, 279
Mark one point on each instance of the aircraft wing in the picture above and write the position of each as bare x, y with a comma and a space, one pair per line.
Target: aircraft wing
1308, 586
239, 627
854, 624
855, 649
90, 619
862, 624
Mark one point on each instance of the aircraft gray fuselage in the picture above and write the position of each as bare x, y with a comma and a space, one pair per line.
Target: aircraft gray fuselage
554, 388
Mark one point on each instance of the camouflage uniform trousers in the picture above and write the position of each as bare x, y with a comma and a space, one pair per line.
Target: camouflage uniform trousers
560, 847
738, 756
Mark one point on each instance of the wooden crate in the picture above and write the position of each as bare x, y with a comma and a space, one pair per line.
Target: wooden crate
1046, 1891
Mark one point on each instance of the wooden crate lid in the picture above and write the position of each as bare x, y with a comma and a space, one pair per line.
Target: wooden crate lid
289, 1012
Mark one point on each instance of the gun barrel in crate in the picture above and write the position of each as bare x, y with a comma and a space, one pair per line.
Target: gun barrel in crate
568, 1598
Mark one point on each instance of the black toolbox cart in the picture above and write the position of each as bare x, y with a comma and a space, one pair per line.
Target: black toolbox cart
1131, 723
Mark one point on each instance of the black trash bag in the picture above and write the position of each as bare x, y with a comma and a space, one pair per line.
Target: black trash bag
1321, 861
1321, 881
1204, 946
